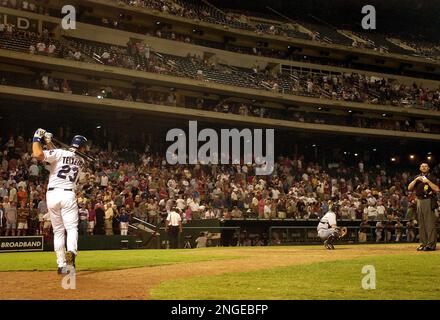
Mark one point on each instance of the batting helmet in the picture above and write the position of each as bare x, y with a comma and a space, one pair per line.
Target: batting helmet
78, 141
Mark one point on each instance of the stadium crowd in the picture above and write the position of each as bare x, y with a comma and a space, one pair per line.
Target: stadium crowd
44, 81
348, 86
200, 11
125, 184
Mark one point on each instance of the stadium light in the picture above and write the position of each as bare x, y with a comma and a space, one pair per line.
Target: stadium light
411, 156
429, 158
393, 159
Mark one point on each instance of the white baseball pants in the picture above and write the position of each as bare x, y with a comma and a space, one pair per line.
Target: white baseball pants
63, 209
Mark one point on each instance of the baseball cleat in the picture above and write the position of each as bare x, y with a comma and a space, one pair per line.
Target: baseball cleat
421, 248
328, 245
62, 270
70, 258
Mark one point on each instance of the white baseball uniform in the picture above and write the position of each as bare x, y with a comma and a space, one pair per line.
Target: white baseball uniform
324, 227
64, 168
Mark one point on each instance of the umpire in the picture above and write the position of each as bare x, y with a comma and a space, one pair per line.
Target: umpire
173, 225
425, 188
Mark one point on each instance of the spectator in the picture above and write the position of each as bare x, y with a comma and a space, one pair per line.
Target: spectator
34, 171
389, 226
379, 230
21, 196
108, 220
32, 49
41, 211
124, 220
47, 224
2, 218
398, 230
25, 5
51, 49
77, 55
410, 231
153, 209
100, 219
147, 52
23, 217
236, 213
202, 240
105, 57
380, 210
83, 214
13, 192
11, 218
41, 48
91, 220
364, 229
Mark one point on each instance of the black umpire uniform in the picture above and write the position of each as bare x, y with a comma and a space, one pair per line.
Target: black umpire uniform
173, 224
426, 204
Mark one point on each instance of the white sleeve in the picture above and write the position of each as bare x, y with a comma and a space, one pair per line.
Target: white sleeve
169, 217
52, 155
179, 218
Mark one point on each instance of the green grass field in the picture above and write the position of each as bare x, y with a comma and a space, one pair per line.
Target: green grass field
397, 277
104, 259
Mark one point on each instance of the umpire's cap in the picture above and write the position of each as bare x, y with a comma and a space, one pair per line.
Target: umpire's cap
78, 141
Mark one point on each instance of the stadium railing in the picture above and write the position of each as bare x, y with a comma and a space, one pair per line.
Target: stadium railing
217, 236
309, 235
145, 230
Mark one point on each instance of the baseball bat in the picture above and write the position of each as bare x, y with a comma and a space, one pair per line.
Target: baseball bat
81, 154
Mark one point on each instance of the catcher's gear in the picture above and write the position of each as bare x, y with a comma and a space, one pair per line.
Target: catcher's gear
343, 232
328, 244
38, 135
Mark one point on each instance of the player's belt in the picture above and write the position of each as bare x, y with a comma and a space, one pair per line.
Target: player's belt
51, 189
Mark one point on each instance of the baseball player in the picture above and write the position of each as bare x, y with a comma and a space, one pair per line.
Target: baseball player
65, 166
328, 229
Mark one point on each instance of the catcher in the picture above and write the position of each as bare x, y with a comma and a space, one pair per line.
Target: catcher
328, 229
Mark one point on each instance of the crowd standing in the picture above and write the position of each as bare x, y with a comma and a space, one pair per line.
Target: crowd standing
145, 186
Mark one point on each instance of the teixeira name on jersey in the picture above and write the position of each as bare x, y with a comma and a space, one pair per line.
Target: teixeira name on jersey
75, 161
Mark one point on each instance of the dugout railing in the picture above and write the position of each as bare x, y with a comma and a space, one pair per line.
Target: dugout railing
145, 231
290, 235
217, 236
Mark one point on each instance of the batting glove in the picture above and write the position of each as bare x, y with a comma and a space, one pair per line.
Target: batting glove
38, 135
